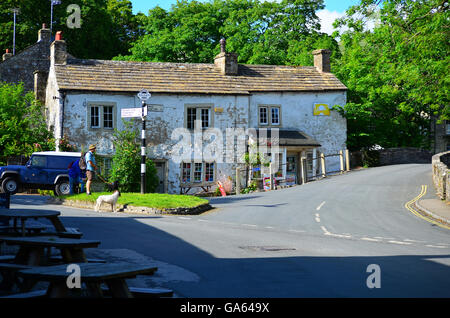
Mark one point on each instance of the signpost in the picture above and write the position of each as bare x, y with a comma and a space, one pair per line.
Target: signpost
143, 95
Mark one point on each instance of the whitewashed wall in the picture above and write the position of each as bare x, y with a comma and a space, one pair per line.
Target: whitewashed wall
296, 112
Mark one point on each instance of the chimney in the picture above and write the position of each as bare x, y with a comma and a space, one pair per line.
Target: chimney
58, 50
322, 60
226, 62
44, 34
7, 55
40, 85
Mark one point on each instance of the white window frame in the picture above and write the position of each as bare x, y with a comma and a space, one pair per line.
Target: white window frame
269, 116
193, 179
199, 112
101, 115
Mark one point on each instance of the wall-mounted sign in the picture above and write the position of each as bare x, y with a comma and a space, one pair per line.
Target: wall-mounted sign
321, 110
132, 112
155, 108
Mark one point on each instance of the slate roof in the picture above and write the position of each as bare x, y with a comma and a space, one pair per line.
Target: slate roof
124, 76
287, 137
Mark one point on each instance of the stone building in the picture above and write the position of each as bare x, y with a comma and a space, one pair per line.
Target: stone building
205, 108
29, 66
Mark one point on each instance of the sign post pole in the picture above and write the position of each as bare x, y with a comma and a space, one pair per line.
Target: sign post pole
143, 95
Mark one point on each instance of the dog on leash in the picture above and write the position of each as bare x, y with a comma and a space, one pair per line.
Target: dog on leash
110, 198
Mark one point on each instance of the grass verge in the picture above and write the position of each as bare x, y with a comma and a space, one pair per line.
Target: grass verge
151, 200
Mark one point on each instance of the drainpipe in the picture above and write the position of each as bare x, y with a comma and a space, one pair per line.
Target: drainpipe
62, 101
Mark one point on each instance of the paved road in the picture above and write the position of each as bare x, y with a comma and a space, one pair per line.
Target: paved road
315, 240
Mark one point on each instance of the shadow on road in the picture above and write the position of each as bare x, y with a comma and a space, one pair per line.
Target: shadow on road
262, 272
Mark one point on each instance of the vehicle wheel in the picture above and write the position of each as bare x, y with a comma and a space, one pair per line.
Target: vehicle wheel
62, 188
10, 185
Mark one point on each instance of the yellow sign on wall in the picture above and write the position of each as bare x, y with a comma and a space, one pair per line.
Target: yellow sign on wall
321, 110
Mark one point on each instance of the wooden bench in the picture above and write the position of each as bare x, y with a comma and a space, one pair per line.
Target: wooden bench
92, 275
10, 278
139, 292
70, 232
32, 294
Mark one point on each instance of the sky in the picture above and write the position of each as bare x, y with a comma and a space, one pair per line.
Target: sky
333, 9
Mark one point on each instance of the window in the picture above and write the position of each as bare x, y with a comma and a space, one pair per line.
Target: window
269, 115
95, 117
198, 167
209, 172
275, 116
263, 116
39, 161
198, 113
198, 172
108, 117
105, 164
101, 116
447, 126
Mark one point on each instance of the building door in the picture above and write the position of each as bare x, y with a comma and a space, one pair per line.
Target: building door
291, 169
161, 173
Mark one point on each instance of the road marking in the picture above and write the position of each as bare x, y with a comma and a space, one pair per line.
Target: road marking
296, 231
370, 239
269, 227
408, 206
400, 243
201, 220
325, 231
317, 218
320, 206
436, 246
252, 225
413, 241
184, 218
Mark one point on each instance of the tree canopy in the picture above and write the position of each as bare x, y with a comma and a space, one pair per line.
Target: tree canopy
259, 32
396, 73
22, 123
107, 26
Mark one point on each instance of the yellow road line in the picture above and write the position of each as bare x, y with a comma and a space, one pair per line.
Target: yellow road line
408, 206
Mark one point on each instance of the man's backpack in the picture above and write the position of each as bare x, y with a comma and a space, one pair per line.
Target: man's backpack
82, 162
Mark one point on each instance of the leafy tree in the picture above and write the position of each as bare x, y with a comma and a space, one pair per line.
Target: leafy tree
126, 165
260, 32
397, 73
107, 26
22, 124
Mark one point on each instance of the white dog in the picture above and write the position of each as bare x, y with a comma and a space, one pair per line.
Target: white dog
111, 199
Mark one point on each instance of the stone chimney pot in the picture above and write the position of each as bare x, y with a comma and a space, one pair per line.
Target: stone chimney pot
322, 60
226, 62
58, 50
44, 34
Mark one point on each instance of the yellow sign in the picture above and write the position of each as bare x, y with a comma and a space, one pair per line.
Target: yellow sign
321, 110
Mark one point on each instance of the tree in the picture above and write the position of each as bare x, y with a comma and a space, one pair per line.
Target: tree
259, 32
397, 73
107, 26
22, 124
126, 165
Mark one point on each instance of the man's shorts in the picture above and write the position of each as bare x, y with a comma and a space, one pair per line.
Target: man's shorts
90, 175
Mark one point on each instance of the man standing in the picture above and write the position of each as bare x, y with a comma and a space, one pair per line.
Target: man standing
75, 176
90, 167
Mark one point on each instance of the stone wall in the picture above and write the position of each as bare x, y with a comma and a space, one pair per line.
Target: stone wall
22, 66
390, 156
441, 175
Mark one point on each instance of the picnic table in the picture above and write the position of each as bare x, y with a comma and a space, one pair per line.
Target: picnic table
32, 253
31, 249
114, 275
23, 215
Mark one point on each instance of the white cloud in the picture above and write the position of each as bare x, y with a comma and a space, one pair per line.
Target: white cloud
327, 18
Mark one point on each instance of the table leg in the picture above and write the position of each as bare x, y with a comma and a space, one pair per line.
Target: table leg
58, 290
119, 288
73, 255
34, 256
57, 224
94, 289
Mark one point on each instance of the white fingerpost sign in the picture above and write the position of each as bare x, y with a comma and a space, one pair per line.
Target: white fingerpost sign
143, 95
